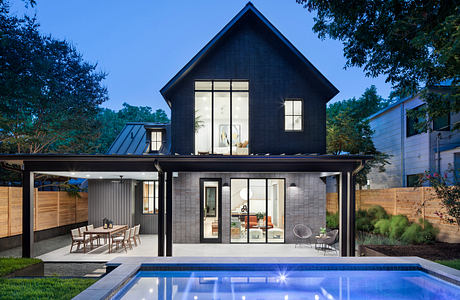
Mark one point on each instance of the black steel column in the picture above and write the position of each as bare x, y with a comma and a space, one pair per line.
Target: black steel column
161, 214
27, 213
343, 213
169, 237
352, 215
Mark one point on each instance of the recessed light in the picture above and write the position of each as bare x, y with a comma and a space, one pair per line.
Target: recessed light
87, 175
73, 173
100, 177
151, 291
143, 174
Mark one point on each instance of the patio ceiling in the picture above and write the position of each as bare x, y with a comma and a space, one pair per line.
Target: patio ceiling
106, 175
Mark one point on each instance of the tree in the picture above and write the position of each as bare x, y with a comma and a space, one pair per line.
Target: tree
348, 130
413, 43
49, 95
113, 121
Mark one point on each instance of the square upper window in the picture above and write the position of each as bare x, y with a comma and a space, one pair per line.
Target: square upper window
156, 140
293, 115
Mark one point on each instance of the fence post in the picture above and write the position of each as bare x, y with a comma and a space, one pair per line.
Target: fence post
10, 192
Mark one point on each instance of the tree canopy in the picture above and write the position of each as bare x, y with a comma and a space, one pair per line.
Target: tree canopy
49, 95
415, 44
348, 130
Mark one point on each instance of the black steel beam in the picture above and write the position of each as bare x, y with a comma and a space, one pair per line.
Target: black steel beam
343, 209
352, 216
27, 213
161, 214
169, 236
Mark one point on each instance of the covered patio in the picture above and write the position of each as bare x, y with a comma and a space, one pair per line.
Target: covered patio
164, 166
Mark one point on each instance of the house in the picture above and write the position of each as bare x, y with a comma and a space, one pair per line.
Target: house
243, 160
413, 151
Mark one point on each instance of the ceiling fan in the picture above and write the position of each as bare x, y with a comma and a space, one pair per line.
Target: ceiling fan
118, 180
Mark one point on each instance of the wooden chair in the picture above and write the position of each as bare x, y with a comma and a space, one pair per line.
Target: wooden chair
76, 239
137, 236
131, 237
81, 230
123, 240
93, 237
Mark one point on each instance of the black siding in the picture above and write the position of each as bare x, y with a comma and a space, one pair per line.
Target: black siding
250, 51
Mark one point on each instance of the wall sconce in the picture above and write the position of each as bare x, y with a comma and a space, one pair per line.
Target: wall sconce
293, 185
225, 185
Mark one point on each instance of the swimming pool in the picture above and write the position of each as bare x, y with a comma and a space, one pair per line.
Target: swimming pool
289, 283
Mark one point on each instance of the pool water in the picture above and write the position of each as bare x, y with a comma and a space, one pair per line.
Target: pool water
287, 285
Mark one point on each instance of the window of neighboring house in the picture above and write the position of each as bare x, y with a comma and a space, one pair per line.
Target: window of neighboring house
150, 197
442, 123
293, 115
413, 122
156, 140
413, 180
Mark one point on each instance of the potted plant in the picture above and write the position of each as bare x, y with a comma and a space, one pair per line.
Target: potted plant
322, 232
260, 216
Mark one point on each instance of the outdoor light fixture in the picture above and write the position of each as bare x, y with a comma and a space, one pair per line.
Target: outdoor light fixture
225, 185
293, 185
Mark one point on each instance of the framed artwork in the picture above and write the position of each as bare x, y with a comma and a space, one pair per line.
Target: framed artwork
224, 134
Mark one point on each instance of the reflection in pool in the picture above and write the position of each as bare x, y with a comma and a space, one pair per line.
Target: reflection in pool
287, 285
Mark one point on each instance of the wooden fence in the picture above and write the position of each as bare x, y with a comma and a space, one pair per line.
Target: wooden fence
51, 209
404, 201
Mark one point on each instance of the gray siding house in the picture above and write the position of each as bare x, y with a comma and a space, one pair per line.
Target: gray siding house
413, 152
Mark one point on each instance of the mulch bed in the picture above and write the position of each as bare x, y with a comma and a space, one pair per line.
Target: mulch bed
436, 251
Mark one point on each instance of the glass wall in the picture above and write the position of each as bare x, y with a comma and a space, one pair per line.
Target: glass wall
222, 117
239, 210
150, 197
257, 210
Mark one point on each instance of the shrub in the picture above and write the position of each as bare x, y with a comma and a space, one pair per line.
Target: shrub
398, 225
332, 220
415, 234
376, 213
382, 227
363, 221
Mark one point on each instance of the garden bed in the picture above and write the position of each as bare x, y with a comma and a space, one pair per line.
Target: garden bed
12, 267
436, 251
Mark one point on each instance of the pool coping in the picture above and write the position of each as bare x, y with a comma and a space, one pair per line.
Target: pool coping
124, 268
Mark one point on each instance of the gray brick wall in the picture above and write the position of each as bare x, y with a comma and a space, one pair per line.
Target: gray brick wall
305, 204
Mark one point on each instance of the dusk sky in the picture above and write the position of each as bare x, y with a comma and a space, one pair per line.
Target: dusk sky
142, 44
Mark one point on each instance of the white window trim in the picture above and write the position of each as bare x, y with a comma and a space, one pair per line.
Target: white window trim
294, 115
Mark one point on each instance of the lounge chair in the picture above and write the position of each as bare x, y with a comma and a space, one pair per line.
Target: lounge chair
302, 233
327, 243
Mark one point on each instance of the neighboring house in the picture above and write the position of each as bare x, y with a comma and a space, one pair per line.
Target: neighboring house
243, 160
413, 152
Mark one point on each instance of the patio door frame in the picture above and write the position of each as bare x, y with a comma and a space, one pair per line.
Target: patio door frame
219, 210
266, 207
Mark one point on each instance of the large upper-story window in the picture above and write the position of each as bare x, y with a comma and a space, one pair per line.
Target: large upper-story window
150, 197
222, 117
156, 140
293, 115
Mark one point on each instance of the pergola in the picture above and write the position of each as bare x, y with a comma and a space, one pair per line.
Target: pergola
344, 166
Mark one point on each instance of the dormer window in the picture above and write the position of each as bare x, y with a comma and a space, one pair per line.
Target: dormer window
156, 140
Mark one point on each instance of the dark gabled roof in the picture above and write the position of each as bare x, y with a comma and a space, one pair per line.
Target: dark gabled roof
249, 8
133, 138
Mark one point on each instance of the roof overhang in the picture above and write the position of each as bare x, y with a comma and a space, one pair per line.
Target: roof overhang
186, 163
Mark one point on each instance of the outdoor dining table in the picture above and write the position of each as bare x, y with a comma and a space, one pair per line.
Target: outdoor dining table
109, 232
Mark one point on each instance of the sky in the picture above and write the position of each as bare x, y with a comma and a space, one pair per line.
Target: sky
142, 44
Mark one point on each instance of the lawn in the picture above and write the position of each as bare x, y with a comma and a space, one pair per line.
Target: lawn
43, 288
11, 264
453, 263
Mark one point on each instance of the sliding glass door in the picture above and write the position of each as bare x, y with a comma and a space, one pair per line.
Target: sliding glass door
257, 210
